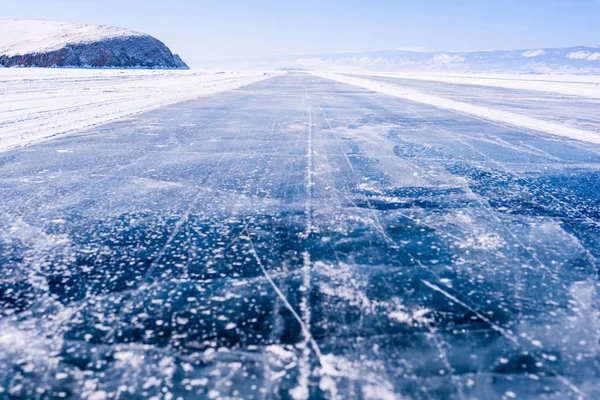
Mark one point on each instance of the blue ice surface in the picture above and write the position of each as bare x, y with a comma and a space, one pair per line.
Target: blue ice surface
300, 238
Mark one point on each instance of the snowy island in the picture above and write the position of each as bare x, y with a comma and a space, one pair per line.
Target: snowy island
36, 43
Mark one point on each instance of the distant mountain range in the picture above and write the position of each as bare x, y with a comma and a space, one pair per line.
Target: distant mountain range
36, 43
577, 60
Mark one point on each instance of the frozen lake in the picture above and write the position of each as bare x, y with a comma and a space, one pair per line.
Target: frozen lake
303, 238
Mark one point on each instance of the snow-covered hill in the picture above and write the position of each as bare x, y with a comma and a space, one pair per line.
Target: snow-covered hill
574, 60
36, 43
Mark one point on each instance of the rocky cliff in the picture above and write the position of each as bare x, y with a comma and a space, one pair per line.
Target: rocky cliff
32, 43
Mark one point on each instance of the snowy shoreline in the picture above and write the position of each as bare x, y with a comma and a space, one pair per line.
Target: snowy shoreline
576, 85
38, 104
516, 119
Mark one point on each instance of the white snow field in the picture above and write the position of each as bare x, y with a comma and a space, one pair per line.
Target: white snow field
584, 89
36, 104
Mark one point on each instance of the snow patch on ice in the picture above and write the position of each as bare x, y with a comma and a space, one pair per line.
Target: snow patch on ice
485, 241
376, 387
148, 184
417, 316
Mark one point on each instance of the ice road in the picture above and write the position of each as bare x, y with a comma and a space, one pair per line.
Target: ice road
300, 238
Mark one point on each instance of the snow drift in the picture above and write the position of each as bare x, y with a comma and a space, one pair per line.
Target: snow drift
35, 43
37, 104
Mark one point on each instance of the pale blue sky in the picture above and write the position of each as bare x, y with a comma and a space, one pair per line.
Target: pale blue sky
215, 30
